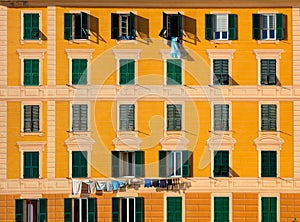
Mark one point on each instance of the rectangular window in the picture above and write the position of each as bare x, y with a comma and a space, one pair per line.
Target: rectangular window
127, 71
221, 72
268, 26
31, 72
31, 165
79, 71
79, 164
172, 26
174, 72
79, 117
268, 164
174, 163
127, 117
268, 72
31, 118
127, 209
127, 163
174, 209
221, 209
31, 210
221, 117
76, 26
123, 26
174, 116
268, 209
31, 26
269, 117
221, 163
80, 210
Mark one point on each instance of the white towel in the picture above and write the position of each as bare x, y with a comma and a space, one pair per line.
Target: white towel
76, 186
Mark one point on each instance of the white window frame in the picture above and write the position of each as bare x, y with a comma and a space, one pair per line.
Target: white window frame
87, 41
168, 194
88, 117
121, 164
132, 41
80, 207
32, 103
216, 26
80, 54
277, 132
173, 155
31, 147
268, 15
31, 54
182, 131
135, 132
127, 210
212, 205
23, 41
260, 195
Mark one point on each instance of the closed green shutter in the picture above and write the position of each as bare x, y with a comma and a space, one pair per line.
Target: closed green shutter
268, 71
31, 164
209, 26
232, 23
31, 118
43, 210
174, 115
127, 117
115, 163
138, 163
221, 163
163, 33
116, 209
68, 26
79, 71
268, 117
256, 26
84, 25
279, 26
269, 209
268, 163
139, 209
79, 117
68, 210
92, 210
221, 117
19, 210
31, 26
174, 72
186, 163
221, 209
220, 68
174, 209
35, 118
27, 118
31, 72
162, 163
79, 164
127, 71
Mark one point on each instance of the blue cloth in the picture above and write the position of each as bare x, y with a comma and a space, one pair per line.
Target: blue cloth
155, 183
115, 185
147, 183
175, 52
121, 183
162, 183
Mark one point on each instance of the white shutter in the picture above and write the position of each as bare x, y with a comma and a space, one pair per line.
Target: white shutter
221, 23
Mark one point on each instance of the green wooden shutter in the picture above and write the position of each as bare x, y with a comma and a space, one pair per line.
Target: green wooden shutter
79, 71
35, 164
221, 209
225, 117
139, 209
232, 24
68, 26
35, 118
268, 71
31, 26
116, 209
221, 117
220, 69
268, 163
84, 25
256, 26
115, 26
127, 71
221, 163
127, 117
68, 210
79, 117
269, 209
35, 32
138, 163
115, 163
174, 116
174, 209
19, 210
164, 28
174, 72
79, 164
31, 72
83, 117
162, 163
179, 25
43, 210
272, 117
268, 117
131, 118
92, 209
279, 26
31, 164
186, 163
209, 26
27, 118
75, 117
132, 26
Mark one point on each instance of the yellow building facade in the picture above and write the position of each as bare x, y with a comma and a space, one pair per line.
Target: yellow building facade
149, 112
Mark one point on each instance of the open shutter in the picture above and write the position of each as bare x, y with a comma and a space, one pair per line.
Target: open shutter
163, 33
43, 210
209, 26
179, 25
92, 210
68, 210
138, 163
84, 25
132, 26
115, 26
186, 163
162, 163
115, 163
115, 209
139, 209
19, 210
68, 26
232, 26
256, 26
280, 26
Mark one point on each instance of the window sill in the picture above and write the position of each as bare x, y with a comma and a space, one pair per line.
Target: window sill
268, 42
79, 41
126, 42
80, 133
31, 134
38, 41
220, 42
221, 132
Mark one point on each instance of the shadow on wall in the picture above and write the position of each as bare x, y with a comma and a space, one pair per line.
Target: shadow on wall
190, 30
94, 30
142, 28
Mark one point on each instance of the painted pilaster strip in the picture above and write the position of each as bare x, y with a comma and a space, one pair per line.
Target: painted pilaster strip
3, 46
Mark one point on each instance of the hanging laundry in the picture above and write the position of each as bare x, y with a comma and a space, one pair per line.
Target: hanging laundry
147, 183
175, 52
76, 187
115, 185
100, 185
162, 184
91, 186
121, 183
155, 183
108, 186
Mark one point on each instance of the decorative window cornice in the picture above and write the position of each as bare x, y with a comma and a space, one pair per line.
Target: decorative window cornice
79, 53
79, 143
220, 53
221, 142
31, 146
268, 142
31, 53
268, 53
127, 53
174, 142
127, 142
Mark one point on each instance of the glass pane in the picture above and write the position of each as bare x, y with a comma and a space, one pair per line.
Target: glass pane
84, 211
178, 163
124, 210
131, 210
264, 34
76, 210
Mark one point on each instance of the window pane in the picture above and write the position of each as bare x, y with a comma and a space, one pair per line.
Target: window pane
124, 209
84, 210
131, 210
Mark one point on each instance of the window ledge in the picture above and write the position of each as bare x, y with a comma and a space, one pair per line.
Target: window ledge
220, 42
78, 41
126, 41
80, 133
39, 41
32, 134
268, 42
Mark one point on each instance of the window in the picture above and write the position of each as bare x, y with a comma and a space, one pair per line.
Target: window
220, 27
31, 118
268, 209
174, 72
79, 164
174, 209
172, 26
127, 209
76, 26
174, 115
268, 117
127, 71
80, 210
31, 210
31, 26
126, 117
268, 164
221, 117
79, 71
268, 26
123, 26
31, 72
268, 71
221, 209
31, 165
221, 163
221, 72
79, 117
174, 163
127, 163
